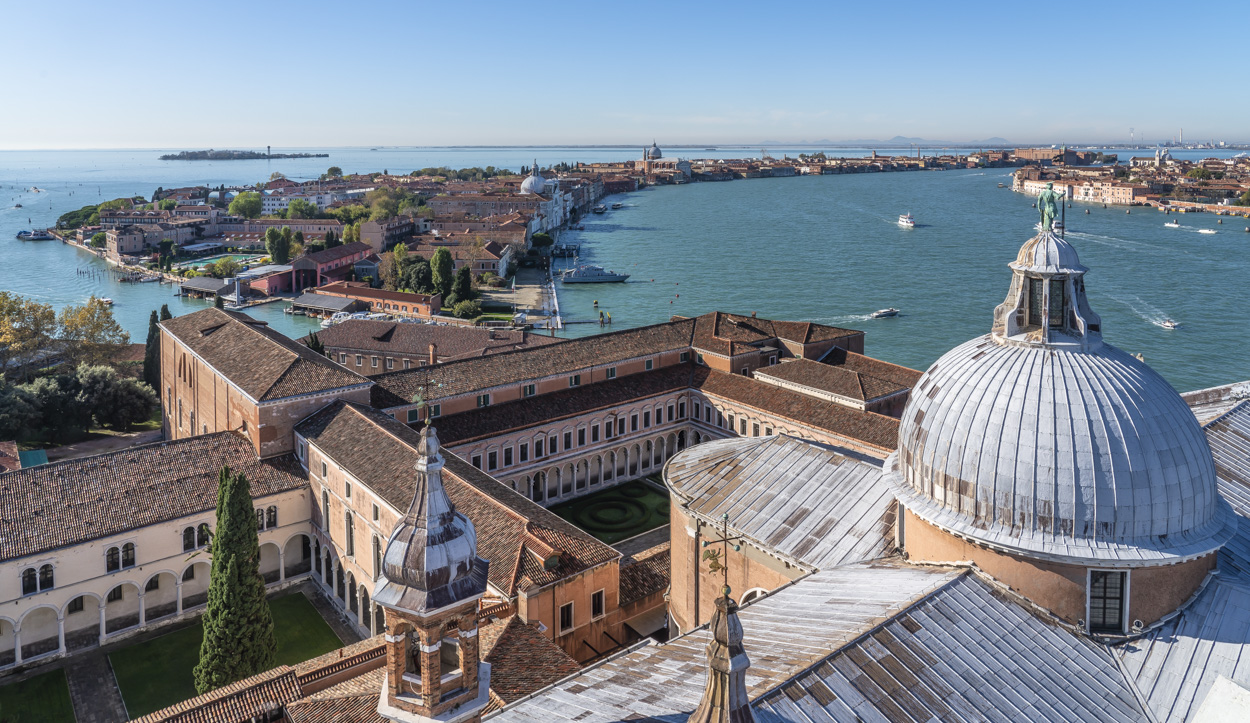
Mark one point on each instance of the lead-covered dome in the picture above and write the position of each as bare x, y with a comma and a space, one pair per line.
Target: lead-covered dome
1043, 440
533, 183
653, 153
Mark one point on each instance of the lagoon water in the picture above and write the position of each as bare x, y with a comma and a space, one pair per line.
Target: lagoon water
824, 249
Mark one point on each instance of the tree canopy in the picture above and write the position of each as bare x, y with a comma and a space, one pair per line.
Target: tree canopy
247, 204
442, 270
91, 333
278, 245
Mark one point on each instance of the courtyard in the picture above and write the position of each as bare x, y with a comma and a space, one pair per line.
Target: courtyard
158, 673
619, 512
44, 697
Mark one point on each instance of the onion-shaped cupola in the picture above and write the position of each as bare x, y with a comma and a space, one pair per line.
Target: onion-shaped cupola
431, 557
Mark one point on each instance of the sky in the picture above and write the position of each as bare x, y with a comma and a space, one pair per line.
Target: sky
325, 74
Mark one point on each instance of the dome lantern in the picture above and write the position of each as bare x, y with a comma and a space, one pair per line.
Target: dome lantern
1046, 305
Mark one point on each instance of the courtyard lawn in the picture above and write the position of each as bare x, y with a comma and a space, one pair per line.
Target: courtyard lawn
44, 698
157, 673
618, 513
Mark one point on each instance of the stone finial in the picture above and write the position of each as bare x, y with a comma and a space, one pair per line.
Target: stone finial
725, 696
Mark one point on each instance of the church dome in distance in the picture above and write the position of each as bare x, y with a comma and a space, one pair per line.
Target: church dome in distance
1040, 439
653, 153
533, 183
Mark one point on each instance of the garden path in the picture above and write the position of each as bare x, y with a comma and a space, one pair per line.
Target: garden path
94, 691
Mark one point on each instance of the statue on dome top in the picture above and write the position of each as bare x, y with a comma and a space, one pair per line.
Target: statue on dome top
1048, 203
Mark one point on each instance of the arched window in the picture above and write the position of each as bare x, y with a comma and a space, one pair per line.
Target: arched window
377, 557
45, 577
112, 560
30, 584
202, 535
349, 543
128, 554
188, 539
271, 516
325, 510
188, 574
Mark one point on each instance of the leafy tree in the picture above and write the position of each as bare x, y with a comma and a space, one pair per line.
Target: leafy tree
152, 353
1199, 173
130, 402
276, 175
99, 240
541, 240
442, 269
238, 637
297, 238
468, 309
56, 405
27, 330
90, 332
399, 256
419, 277
165, 315
168, 204
247, 204
222, 268
348, 215
277, 245
462, 287
18, 415
334, 172
383, 210
315, 344
300, 208
1244, 200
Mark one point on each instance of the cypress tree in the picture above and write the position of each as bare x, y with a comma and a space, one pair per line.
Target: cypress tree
238, 625
219, 302
152, 354
165, 315
315, 344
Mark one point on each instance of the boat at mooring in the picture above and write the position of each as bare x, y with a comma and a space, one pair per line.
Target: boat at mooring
588, 274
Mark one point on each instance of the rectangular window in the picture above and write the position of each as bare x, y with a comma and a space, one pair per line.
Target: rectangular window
575, 380
746, 371
698, 358
566, 617
342, 358
646, 419
772, 360
755, 430
525, 452
596, 605
1035, 301
685, 356
414, 416
483, 400
116, 593
551, 445
768, 431
374, 361
477, 461
1056, 303
620, 426
390, 363
323, 469
743, 426
1106, 601
648, 364
581, 437
436, 410
347, 489
720, 418
731, 422
670, 412
153, 584
594, 434
492, 460
568, 441
407, 363
527, 390
360, 360
681, 411
376, 513
611, 372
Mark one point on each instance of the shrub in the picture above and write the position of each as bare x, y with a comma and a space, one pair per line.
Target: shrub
469, 309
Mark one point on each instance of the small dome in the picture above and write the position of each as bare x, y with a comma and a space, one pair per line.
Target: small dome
1047, 253
533, 183
653, 153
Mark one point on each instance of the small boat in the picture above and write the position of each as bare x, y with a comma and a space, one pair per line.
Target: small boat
600, 208
1169, 324
1206, 230
106, 301
884, 313
616, 205
17, 205
1002, 185
906, 221
591, 275
1174, 223
298, 312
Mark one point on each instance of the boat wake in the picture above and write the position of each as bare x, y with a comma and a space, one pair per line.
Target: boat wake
1112, 241
1144, 310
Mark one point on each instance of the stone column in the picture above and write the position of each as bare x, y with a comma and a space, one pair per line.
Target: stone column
179, 586
431, 669
60, 632
142, 610
103, 621
281, 564
17, 644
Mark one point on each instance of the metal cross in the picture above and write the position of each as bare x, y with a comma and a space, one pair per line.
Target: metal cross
716, 559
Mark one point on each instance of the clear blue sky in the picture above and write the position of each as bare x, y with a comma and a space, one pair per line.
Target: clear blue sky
225, 75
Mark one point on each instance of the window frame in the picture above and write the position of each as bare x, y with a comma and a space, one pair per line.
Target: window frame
611, 374
561, 629
1124, 600
648, 364
599, 597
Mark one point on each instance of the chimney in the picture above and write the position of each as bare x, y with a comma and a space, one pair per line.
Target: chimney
725, 696
433, 353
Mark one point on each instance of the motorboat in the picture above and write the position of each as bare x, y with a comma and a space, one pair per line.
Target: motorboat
591, 275
884, 313
1174, 223
906, 221
600, 208
1002, 185
106, 301
617, 205
1169, 324
36, 235
1206, 230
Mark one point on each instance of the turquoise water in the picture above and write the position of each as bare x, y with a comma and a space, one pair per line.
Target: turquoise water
824, 249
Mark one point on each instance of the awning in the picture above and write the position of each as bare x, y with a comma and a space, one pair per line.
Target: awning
650, 621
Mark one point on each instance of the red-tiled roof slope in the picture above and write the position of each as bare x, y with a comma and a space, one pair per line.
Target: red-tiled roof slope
248, 699
876, 368
461, 377
354, 700
382, 453
645, 573
876, 430
263, 363
522, 660
325, 256
73, 501
839, 380
733, 334
415, 339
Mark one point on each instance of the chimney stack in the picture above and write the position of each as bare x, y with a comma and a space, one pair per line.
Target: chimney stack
433, 353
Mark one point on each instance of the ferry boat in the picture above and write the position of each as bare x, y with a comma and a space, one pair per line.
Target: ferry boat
906, 221
591, 275
884, 313
600, 208
616, 205
1169, 324
1174, 223
38, 235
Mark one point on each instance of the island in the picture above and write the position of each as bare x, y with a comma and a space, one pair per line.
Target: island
213, 155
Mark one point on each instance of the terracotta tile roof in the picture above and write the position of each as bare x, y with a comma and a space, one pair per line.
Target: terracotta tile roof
73, 501
415, 339
461, 377
899, 375
876, 430
362, 649
263, 363
548, 408
249, 698
522, 660
325, 256
733, 334
838, 380
645, 573
346, 709
364, 291
382, 453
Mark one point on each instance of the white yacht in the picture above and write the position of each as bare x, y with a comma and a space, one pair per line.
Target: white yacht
1174, 223
1206, 230
1169, 324
587, 274
906, 221
884, 313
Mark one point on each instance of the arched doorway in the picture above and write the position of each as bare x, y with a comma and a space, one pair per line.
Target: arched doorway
160, 596
121, 607
297, 555
82, 622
